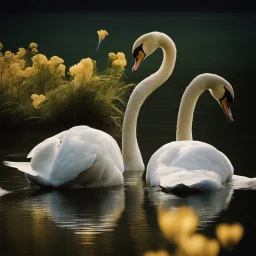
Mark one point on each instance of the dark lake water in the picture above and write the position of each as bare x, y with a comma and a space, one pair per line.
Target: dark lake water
124, 220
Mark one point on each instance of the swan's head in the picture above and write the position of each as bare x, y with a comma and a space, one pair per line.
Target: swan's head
144, 46
223, 92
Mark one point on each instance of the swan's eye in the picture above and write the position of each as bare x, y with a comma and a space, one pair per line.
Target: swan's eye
139, 56
228, 95
137, 51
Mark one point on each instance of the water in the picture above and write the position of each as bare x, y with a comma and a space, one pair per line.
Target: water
124, 220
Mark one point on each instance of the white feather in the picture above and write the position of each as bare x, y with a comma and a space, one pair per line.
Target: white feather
192, 163
63, 157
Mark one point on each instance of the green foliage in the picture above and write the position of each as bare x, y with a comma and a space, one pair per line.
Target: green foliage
37, 91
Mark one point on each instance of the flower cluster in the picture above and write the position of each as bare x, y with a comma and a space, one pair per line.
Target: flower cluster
82, 72
33, 48
120, 61
102, 34
37, 100
27, 74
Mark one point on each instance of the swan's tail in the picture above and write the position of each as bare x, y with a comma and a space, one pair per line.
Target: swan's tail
243, 182
39, 168
22, 166
184, 182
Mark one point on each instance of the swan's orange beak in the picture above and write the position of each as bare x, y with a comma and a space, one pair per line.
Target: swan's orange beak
226, 108
138, 60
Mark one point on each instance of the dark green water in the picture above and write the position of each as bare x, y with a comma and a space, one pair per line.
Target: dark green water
123, 221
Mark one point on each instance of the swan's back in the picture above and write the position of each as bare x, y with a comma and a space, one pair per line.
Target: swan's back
81, 153
80, 146
193, 164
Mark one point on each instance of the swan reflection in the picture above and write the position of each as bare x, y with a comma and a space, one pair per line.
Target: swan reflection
87, 213
208, 206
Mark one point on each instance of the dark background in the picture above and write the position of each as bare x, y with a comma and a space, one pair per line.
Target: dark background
127, 6
217, 37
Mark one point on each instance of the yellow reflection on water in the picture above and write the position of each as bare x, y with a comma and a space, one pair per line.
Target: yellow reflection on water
177, 223
179, 226
229, 234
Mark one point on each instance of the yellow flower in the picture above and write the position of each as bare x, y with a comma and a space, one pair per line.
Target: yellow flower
112, 56
102, 34
38, 60
120, 63
8, 55
21, 52
33, 45
120, 56
34, 50
29, 71
62, 68
83, 71
229, 235
55, 60
37, 100
121, 60
16, 70
1, 46
156, 253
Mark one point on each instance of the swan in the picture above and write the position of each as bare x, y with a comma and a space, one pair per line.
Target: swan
87, 157
143, 47
79, 157
187, 165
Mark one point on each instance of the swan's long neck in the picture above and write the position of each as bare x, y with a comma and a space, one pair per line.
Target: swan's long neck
188, 103
130, 150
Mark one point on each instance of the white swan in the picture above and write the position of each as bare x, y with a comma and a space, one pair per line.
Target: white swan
186, 164
79, 157
143, 47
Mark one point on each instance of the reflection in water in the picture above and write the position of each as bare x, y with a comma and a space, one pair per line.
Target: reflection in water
229, 234
87, 215
137, 219
208, 206
141, 220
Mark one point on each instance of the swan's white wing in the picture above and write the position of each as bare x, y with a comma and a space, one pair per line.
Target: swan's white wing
61, 158
59, 136
191, 163
43, 156
22, 166
104, 140
113, 149
81, 147
41, 163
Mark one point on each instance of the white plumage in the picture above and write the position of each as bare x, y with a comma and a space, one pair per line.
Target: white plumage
79, 157
184, 164
194, 164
